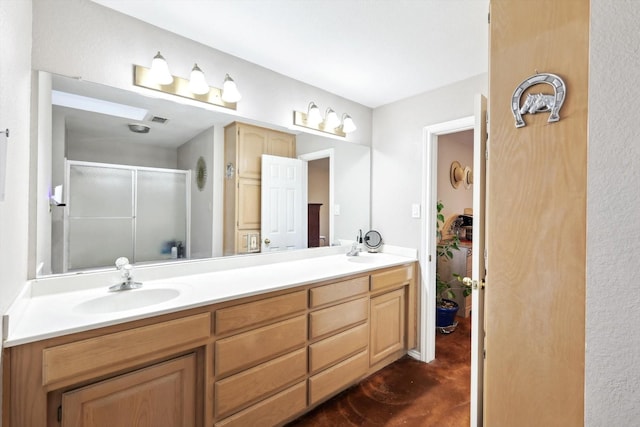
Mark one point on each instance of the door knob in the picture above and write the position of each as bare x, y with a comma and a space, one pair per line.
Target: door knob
267, 241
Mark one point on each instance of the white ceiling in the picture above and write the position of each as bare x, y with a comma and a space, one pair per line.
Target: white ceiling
373, 52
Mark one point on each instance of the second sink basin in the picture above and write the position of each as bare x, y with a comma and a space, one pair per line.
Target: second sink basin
127, 300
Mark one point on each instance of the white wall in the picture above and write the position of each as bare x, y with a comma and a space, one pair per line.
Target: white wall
116, 151
397, 154
82, 38
15, 90
612, 365
202, 220
351, 172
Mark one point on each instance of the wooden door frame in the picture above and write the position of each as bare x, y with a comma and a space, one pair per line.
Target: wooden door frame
427, 347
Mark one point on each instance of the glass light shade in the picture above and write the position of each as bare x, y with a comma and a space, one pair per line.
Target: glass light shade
230, 92
313, 115
347, 124
160, 70
331, 120
197, 82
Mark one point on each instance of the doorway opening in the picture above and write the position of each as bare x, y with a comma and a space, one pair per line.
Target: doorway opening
319, 165
428, 258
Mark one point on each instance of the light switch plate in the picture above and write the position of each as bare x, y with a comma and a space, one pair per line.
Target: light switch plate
415, 210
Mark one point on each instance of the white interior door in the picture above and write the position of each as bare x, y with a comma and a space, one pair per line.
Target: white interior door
284, 204
478, 260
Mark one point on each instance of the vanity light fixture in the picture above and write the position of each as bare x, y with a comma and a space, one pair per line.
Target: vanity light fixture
195, 87
197, 82
230, 90
160, 70
312, 119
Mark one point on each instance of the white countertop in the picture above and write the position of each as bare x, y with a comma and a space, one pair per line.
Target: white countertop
40, 315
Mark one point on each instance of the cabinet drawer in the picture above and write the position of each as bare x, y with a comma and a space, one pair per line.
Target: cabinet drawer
254, 313
337, 317
250, 348
333, 349
272, 411
338, 291
93, 357
248, 386
392, 278
337, 377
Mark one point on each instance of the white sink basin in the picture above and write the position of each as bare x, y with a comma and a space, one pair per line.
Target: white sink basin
127, 300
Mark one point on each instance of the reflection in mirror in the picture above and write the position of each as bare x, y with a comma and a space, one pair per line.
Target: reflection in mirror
142, 182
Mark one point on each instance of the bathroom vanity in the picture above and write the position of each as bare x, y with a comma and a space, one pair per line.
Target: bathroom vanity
248, 346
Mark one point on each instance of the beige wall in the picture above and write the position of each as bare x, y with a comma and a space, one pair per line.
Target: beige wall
454, 147
318, 175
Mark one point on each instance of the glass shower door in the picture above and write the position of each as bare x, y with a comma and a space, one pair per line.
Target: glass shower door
100, 215
161, 214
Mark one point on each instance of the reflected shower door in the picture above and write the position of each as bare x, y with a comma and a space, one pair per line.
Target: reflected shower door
115, 211
161, 213
100, 215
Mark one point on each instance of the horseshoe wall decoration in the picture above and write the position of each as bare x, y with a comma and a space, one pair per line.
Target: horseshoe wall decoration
540, 102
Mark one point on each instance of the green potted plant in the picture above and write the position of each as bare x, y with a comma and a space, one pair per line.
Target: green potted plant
446, 307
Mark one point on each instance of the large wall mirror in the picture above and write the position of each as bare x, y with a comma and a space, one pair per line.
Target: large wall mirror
124, 173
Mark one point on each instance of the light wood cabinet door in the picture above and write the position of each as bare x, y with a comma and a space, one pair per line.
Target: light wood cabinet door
162, 395
281, 144
387, 334
252, 144
248, 204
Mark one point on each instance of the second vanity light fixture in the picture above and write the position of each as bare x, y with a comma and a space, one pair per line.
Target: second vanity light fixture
313, 119
159, 78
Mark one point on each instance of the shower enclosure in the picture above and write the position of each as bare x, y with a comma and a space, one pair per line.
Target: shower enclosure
118, 210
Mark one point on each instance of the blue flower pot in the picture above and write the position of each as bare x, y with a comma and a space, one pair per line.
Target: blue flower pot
445, 316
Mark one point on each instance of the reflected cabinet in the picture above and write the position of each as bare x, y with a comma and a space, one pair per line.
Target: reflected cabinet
244, 146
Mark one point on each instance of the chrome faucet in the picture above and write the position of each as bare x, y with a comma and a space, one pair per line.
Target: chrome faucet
122, 264
355, 249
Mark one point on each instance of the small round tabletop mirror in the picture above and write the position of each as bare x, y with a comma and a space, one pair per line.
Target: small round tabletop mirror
373, 240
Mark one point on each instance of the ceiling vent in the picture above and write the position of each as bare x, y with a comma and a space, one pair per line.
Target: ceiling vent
158, 119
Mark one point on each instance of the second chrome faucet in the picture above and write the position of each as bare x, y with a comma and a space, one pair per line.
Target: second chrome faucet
126, 271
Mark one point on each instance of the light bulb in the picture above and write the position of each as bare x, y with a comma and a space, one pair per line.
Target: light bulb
331, 120
197, 82
230, 92
313, 115
160, 70
347, 124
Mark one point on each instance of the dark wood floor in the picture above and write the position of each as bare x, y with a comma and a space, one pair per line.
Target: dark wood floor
407, 392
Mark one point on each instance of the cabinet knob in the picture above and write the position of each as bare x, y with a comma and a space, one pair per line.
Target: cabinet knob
267, 241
